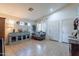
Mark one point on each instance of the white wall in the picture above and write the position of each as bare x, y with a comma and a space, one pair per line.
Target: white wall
24, 27
66, 26
60, 24
21, 27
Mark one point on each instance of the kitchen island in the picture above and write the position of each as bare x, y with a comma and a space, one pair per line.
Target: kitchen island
74, 46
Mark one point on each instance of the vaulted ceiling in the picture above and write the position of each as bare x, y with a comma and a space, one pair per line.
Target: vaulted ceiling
21, 9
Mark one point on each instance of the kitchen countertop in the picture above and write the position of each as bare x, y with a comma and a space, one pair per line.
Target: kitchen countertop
73, 40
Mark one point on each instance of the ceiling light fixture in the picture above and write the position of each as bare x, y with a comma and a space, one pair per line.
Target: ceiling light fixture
30, 9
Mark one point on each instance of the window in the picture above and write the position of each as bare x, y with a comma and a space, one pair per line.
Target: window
38, 27
41, 27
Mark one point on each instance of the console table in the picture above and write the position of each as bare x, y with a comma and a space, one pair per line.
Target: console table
18, 36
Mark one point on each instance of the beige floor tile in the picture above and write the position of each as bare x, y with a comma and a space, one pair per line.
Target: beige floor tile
37, 48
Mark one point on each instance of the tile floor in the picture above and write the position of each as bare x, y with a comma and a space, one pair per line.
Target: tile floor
37, 48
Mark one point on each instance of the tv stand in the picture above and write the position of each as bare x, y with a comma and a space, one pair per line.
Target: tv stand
18, 36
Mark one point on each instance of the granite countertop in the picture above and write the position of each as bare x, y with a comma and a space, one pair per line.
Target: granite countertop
73, 40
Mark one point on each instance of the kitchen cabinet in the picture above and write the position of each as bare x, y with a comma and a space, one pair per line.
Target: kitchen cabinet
74, 47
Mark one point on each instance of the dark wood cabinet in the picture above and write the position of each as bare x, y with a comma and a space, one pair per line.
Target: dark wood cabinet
0, 47
2, 51
2, 35
75, 49
2, 27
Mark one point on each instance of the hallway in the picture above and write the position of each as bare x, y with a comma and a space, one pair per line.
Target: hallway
37, 48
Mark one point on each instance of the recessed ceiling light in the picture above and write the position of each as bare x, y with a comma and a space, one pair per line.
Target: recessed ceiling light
51, 9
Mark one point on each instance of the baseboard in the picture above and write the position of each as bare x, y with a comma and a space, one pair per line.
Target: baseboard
54, 40
66, 42
58, 41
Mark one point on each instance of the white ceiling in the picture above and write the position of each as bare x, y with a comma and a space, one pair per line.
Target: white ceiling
21, 9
